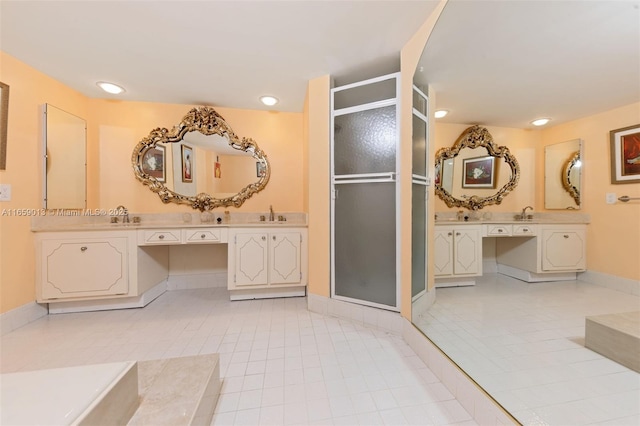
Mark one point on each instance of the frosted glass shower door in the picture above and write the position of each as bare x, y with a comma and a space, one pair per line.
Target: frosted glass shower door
364, 193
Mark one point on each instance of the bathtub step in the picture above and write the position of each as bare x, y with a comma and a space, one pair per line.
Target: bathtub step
615, 336
178, 391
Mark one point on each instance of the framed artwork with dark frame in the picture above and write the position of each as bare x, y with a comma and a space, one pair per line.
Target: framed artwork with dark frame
4, 119
625, 154
479, 172
154, 163
187, 163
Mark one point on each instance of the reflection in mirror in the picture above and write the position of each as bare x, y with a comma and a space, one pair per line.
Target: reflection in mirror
65, 153
468, 173
563, 175
201, 162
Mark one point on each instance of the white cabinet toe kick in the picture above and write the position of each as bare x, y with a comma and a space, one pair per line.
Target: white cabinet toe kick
531, 252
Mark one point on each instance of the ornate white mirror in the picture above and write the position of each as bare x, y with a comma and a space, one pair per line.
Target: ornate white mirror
65, 160
563, 169
475, 172
201, 162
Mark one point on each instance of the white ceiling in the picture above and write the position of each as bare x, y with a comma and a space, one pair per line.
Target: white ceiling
491, 62
507, 63
219, 53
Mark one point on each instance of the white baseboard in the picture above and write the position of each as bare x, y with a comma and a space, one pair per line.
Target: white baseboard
267, 293
483, 408
108, 304
624, 285
423, 303
365, 315
20, 316
193, 281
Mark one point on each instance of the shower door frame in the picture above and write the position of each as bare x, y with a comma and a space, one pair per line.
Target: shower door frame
367, 178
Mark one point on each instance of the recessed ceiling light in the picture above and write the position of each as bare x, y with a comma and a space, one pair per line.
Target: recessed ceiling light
440, 113
114, 89
268, 100
540, 121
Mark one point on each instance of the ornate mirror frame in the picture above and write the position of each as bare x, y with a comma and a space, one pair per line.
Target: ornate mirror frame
476, 137
208, 122
566, 177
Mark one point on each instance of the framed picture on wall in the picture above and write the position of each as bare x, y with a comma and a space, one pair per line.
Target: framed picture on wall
625, 154
260, 169
153, 163
187, 163
4, 120
478, 172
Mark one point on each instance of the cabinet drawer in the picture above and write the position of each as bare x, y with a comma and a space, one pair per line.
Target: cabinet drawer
524, 230
159, 236
203, 235
497, 230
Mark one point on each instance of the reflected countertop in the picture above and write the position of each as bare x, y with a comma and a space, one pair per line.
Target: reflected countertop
479, 218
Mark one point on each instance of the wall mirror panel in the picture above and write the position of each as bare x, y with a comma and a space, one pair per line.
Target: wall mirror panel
563, 168
65, 160
201, 162
475, 172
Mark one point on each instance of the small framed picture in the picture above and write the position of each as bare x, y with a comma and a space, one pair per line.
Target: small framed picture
478, 172
153, 162
217, 170
625, 154
187, 163
261, 169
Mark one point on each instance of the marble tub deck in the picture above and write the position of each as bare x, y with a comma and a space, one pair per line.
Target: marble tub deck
615, 336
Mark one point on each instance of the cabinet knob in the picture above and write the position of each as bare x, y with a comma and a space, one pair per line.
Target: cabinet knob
83, 248
161, 237
274, 238
450, 234
202, 236
264, 238
500, 230
566, 236
525, 229
457, 234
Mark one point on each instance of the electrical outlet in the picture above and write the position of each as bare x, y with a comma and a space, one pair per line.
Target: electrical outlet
5, 192
611, 198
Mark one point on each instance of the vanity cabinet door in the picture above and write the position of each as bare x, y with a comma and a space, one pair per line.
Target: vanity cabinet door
563, 249
443, 252
284, 258
72, 268
467, 252
458, 251
251, 256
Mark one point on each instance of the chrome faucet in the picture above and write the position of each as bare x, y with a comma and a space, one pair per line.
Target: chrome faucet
271, 215
523, 215
124, 212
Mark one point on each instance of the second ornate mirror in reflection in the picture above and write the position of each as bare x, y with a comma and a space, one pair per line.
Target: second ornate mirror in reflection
468, 172
184, 165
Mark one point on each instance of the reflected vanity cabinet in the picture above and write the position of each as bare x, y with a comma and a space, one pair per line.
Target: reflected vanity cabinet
266, 260
80, 265
558, 253
458, 254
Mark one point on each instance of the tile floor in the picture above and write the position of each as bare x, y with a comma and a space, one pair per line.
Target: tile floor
280, 363
524, 344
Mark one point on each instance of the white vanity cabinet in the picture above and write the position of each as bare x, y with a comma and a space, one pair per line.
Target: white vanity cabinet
267, 259
557, 253
75, 265
457, 253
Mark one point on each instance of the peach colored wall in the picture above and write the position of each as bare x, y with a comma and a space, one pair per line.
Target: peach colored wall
317, 111
113, 129
522, 143
613, 236
29, 91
